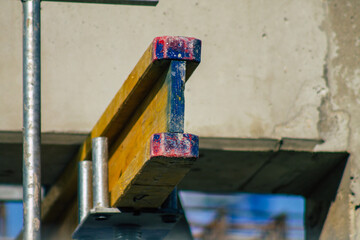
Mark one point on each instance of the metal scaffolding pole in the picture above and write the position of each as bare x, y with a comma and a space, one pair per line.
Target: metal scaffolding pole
31, 119
85, 188
100, 172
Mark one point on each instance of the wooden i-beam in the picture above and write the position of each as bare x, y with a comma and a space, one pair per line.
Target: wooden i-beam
148, 151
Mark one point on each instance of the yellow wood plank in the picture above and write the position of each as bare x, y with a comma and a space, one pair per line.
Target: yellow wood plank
145, 73
148, 185
150, 118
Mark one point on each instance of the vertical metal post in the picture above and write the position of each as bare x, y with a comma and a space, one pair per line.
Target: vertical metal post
172, 201
100, 172
171, 206
85, 188
31, 119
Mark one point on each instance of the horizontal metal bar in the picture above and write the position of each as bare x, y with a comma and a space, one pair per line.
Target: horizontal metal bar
11, 193
123, 2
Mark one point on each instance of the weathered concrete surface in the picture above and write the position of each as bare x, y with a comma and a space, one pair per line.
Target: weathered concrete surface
265, 68
260, 76
339, 123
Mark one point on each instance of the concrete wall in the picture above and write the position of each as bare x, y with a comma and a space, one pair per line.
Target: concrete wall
260, 76
274, 69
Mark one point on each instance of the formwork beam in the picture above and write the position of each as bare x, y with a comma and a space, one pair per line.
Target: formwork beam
142, 123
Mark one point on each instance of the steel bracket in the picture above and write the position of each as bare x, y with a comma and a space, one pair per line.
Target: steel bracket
112, 223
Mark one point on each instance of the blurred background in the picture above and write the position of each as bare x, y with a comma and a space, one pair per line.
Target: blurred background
244, 216
212, 216
273, 73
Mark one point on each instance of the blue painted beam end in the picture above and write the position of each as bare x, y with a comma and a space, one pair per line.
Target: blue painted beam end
177, 48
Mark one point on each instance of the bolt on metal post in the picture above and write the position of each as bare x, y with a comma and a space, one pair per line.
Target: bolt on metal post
31, 119
100, 172
85, 188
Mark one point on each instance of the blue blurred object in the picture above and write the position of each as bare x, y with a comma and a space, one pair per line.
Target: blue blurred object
14, 218
246, 215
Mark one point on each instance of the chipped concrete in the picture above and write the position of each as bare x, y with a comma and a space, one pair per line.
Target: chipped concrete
339, 123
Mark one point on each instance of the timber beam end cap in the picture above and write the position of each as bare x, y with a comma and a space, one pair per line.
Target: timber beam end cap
174, 145
177, 48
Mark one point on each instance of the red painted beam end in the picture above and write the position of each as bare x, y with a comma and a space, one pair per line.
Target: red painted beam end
174, 145
177, 48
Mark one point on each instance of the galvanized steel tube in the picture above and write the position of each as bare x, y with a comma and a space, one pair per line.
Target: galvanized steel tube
100, 172
85, 188
31, 119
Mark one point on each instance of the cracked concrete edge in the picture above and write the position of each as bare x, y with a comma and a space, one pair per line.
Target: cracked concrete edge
339, 118
226, 144
259, 144
55, 138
